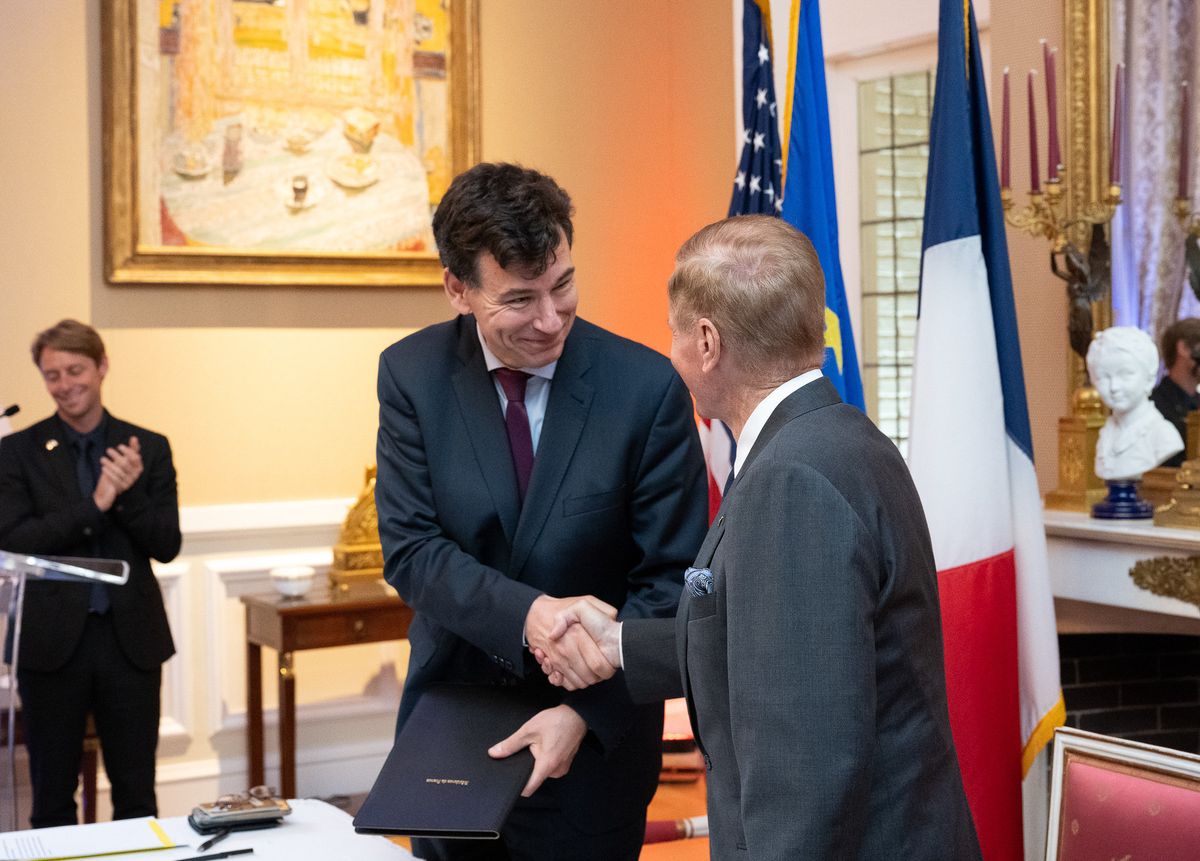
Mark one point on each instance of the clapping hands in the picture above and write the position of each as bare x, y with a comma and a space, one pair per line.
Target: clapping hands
120, 467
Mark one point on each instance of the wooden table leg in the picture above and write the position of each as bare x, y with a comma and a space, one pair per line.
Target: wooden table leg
287, 726
254, 714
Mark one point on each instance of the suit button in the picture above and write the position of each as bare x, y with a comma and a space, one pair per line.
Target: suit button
720, 520
87, 530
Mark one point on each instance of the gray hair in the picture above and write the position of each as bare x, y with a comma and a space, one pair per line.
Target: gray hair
759, 280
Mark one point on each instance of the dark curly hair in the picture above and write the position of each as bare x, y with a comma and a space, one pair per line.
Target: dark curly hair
516, 214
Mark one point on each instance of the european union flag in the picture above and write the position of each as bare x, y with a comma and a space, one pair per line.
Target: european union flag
809, 203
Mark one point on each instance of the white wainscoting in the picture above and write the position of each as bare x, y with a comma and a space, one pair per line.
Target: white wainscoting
346, 698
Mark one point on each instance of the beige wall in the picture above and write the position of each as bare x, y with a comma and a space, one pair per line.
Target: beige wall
269, 393
1016, 28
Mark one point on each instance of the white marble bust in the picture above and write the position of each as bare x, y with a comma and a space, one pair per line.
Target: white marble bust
1123, 362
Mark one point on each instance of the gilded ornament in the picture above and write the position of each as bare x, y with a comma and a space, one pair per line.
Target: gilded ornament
1078, 487
1170, 576
358, 554
1183, 510
1070, 464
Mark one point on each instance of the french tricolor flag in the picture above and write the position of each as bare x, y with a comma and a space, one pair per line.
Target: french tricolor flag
971, 454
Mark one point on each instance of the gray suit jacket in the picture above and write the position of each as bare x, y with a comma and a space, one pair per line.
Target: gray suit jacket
813, 671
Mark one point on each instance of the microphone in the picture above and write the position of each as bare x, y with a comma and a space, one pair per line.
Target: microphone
10, 411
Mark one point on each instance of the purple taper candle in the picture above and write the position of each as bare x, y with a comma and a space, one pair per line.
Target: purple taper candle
1004, 166
1053, 153
1114, 164
1035, 182
1185, 135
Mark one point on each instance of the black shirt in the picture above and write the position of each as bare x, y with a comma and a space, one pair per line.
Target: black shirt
1174, 402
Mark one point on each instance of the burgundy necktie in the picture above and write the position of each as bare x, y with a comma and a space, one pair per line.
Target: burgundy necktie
516, 420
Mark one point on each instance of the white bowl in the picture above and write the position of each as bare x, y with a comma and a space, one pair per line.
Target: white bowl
293, 581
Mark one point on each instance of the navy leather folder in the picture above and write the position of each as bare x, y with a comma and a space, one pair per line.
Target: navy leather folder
439, 781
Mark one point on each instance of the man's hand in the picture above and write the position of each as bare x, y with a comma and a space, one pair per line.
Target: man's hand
602, 629
553, 737
572, 653
119, 469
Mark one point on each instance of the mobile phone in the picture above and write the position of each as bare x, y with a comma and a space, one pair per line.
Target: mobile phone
226, 812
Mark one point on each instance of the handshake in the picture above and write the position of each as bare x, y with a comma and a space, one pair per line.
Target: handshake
577, 641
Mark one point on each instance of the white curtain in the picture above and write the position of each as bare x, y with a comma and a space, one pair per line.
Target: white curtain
1156, 39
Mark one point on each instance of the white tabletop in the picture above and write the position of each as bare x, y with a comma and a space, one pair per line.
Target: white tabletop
315, 831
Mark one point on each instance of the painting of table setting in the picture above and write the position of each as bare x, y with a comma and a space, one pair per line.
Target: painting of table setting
294, 189
262, 142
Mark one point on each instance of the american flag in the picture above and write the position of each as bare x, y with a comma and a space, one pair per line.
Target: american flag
757, 190
757, 187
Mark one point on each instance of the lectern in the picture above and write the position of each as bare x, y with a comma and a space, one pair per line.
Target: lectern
15, 568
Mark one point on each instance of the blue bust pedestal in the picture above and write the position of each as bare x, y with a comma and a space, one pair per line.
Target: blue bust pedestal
1123, 502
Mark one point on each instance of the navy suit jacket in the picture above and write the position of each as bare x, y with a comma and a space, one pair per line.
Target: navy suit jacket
43, 512
813, 671
616, 508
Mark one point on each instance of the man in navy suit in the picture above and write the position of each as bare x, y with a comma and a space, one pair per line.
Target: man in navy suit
85, 483
525, 456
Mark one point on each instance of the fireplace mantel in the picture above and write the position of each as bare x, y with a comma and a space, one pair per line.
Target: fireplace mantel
1089, 571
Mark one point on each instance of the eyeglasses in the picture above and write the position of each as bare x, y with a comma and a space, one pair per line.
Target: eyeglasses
255, 796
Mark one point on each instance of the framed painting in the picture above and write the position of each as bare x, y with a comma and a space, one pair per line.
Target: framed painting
283, 142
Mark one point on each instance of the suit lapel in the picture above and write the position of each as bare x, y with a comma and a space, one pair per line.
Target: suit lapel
704, 557
566, 414
715, 532
480, 406
819, 393
54, 445
116, 432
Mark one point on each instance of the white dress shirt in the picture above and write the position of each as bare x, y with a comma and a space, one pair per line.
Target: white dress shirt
745, 441
537, 389
759, 415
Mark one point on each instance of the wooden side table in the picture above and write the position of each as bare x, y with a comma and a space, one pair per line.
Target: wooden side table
365, 613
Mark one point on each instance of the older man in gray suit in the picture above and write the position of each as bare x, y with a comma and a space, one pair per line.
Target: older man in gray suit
808, 640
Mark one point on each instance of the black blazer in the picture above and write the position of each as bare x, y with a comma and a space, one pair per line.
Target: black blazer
43, 512
813, 670
616, 508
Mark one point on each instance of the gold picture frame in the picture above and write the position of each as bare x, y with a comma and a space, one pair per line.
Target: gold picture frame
1085, 27
143, 244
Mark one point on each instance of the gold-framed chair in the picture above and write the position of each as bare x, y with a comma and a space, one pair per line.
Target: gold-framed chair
1120, 799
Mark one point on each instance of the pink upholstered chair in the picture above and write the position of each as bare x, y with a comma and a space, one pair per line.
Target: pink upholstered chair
1117, 799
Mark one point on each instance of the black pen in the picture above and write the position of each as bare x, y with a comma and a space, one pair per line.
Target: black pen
214, 840
216, 855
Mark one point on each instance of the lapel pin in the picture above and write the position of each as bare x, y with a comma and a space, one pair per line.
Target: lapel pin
51, 444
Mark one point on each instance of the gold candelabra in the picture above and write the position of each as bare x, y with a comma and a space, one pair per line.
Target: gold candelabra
1188, 220
1086, 274
1045, 216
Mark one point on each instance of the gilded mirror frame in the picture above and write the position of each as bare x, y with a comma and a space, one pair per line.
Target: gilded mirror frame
128, 261
1085, 27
